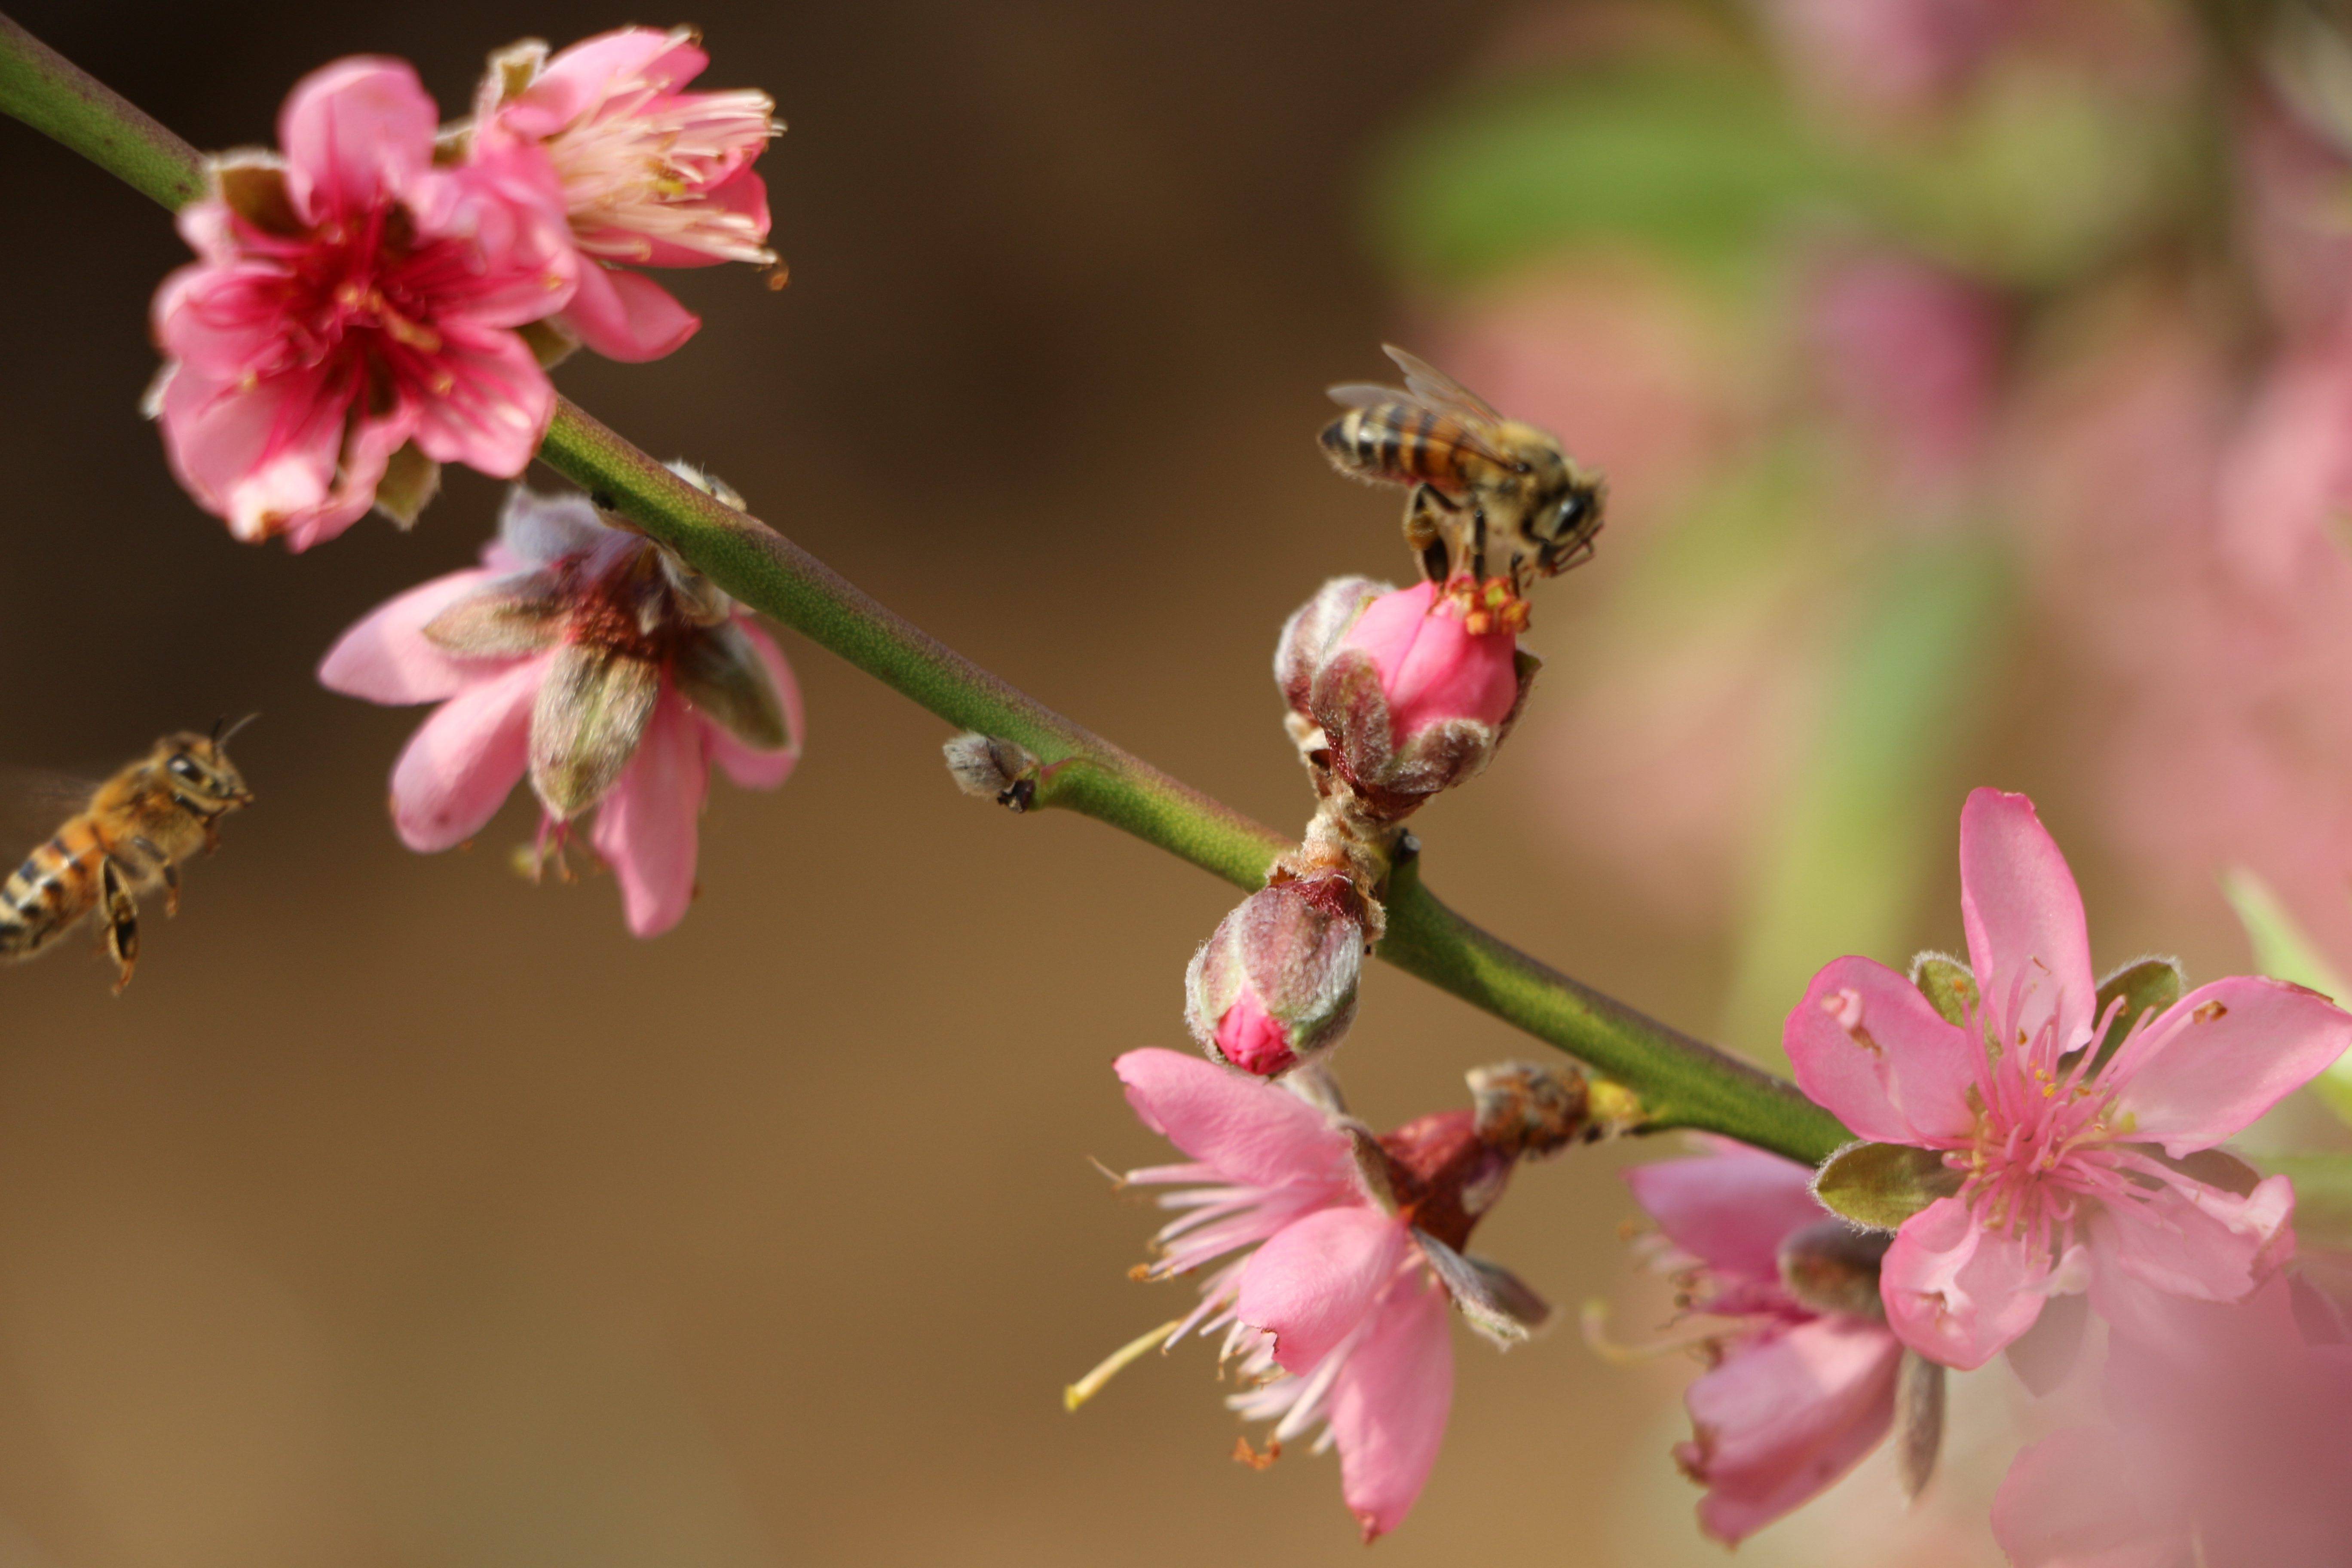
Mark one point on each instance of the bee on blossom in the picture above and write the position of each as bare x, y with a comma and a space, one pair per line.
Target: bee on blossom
1485, 490
588, 658
1351, 1248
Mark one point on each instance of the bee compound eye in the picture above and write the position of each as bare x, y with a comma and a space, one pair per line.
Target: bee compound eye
182, 768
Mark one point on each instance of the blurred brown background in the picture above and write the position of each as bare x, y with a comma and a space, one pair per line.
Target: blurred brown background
403, 1214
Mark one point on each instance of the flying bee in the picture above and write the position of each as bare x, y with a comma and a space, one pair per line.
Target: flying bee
1484, 488
128, 839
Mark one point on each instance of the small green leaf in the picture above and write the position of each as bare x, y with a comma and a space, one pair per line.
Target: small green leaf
1882, 1185
2283, 951
1947, 986
2152, 983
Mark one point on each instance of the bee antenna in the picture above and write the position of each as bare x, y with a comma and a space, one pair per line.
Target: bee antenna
221, 737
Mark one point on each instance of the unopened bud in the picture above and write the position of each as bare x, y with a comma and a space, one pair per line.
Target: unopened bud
1412, 701
1527, 1109
992, 769
1831, 1267
1276, 982
1311, 630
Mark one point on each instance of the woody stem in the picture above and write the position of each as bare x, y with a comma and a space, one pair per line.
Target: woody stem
1681, 1081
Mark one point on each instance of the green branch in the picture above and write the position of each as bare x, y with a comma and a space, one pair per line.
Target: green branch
1681, 1081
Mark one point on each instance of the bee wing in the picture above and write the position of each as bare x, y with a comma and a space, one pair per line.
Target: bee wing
1441, 391
34, 802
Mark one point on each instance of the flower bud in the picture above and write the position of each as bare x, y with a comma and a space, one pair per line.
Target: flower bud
1410, 700
1276, 982
1312, 629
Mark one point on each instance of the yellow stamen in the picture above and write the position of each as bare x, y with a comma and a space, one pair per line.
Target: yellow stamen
1118, 1361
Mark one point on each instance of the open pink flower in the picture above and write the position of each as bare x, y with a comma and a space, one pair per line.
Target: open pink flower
1801, 1383
651, 175
1337, 1311
2230, 1447
2069, 1168
350, 299
591, 661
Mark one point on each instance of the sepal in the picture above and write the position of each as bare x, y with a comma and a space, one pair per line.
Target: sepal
1947, 986
1500, 1306
2146, 985
1879, 1185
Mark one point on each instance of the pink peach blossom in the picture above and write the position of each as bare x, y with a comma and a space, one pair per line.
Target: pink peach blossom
353, 299
1336, 1309
2068, 1170
2230, 1448
1795, 1395
586, 657
651, 174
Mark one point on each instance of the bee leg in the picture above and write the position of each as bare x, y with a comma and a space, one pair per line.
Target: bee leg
1478, 544
1426, 531
120, 913
169, 872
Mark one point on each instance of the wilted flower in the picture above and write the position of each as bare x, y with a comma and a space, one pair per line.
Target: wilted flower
1804, 1374
349, 325
2058, 1126
592, 660
1276, 984
652, 175
1398, 697
1338, 1314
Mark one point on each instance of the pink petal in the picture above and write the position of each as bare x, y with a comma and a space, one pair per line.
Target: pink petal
1729, 1210
579, 78
2024, 917
262, 456
1313, 1281
741, 192
1866, 1045
2067, 1502
368, 445
627, 316
464, 761
1389, 1404
2220, 1056
645, 828
354, 133
1785, 1415
495, 408
1957, 1292
1253, 1130
2189, 1240
751, 769
387, 656
223, 321
505, 254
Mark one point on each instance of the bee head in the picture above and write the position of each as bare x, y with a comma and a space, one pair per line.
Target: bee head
198, 768
1565, 528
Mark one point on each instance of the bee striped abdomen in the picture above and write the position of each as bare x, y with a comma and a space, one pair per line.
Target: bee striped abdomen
55, 886
1401, 441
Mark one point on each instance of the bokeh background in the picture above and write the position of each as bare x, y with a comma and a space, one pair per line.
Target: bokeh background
1973, 381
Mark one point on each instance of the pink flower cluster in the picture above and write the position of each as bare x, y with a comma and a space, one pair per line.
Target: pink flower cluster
356, 314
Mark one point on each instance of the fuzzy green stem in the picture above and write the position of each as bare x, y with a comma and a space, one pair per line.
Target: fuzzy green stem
1681, 1081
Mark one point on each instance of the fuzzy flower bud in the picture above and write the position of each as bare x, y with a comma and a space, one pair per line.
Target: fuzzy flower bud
1408, 701
1276, 984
